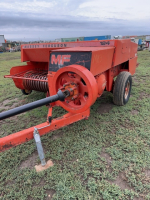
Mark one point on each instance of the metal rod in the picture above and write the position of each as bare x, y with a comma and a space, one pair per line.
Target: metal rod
59, 96
39, 146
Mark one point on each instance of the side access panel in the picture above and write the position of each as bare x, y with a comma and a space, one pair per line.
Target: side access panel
132, 65
102, 60
125, 50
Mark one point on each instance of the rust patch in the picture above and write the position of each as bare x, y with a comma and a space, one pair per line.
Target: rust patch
6, 146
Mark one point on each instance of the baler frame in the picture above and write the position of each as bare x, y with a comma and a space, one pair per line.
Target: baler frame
109, 58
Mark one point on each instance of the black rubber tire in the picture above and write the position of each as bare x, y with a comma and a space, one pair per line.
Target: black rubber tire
121, 82
25, 92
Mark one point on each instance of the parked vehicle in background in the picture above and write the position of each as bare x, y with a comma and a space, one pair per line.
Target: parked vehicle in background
102, 37
135, 40
89, 38
1, 49
18, 48
14, 49
73, 39
118, 37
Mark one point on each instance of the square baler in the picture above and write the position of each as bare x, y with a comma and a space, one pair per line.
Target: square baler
73, 75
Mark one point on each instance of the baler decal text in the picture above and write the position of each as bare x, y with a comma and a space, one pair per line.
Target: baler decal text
60, 59
55, 45
104, 43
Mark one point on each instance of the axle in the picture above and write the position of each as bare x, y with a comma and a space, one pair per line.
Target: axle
59, 96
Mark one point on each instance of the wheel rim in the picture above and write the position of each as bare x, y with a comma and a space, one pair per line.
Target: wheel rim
127, 90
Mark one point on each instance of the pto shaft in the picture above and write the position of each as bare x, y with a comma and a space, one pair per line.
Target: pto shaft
59, 96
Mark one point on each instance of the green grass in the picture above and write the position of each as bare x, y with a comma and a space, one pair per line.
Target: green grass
105, 157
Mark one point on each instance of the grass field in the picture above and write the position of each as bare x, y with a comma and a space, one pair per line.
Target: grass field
105, 157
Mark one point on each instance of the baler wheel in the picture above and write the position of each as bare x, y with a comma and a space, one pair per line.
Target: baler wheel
122, 88
26, 92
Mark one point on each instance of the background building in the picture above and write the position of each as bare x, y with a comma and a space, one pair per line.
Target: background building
2, 40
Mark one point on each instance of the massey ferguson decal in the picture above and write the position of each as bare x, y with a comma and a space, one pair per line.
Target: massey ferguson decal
60, 59
63, 59
55, 45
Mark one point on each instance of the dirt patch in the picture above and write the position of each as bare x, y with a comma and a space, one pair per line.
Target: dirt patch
134, 112
3, 108
108, 159
6, 101
146, 176
50, 194
9, 104
127, 124
147, 172
41, 183
13, 120
57, 135
10, 58
30, 162
121, 181
105, 108
9, 183
135, 80
143, 95
106, 156
14, 105
138, 198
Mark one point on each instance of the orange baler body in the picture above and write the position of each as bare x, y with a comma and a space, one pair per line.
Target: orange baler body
49, 64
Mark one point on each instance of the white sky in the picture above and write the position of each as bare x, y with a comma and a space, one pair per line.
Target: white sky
37, 19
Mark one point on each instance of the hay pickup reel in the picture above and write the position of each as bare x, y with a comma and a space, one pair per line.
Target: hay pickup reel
74, 75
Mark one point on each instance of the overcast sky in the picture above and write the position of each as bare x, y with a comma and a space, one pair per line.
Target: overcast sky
51, 19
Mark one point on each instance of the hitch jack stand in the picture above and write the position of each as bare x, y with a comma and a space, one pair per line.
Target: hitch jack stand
43, 164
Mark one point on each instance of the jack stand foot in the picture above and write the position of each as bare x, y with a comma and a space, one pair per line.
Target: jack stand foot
40, 168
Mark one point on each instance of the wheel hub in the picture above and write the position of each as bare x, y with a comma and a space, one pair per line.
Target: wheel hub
81, 85
127, 89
